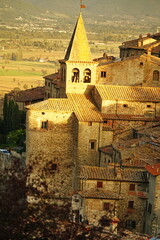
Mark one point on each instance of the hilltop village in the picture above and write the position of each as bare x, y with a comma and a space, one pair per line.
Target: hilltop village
94, 141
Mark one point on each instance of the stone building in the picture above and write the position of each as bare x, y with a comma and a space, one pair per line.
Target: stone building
66, 133
149, 44
27, 97
152, 225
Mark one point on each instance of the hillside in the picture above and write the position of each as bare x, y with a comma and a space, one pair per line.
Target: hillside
109, 8
10, 10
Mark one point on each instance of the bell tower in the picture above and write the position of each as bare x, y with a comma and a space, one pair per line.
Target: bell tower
77, 68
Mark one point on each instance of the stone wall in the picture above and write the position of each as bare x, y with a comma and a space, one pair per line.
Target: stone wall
129, 72
124, 213
51, 153
91, 134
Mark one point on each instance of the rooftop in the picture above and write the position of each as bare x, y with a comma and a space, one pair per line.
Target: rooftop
153, 169
128, 93
80, 104
110, 173
28, 95
99, 194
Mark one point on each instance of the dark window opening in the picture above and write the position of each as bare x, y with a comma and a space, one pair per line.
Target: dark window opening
125, 105
148, 106
132, 187
106, 206
87, 75
141, 63
156, 75
44, 125
99, 184
54, 166
75, 75
130, 224
103, 74
89, 123
149, 207
130, 204
104, 221
92, 145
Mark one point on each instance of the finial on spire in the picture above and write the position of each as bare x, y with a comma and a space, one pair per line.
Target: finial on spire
81, 5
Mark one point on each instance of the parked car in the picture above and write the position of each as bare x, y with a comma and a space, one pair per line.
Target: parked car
5, 151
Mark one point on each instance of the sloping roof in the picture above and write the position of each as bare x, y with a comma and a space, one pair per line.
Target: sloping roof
110, 173
80, 104
128, 93
153, 169
28, 95
78, 49
107, 149
53, 76
99, 194
97, 173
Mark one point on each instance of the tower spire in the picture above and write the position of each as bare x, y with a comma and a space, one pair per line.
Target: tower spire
78, 49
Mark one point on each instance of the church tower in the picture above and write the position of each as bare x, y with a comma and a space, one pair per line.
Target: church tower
77, 68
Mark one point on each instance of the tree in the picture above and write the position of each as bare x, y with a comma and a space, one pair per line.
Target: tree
11, 115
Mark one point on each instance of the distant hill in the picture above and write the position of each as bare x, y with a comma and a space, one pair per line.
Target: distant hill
11, 9
109, 8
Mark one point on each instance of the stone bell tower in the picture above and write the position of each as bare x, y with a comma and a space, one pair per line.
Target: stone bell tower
77, 68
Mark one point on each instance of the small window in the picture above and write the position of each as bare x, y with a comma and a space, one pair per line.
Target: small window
92, 144
48, 95
54, 166
130, 204
89, 123
49, 84
156, 75
148, 106
44, 125
141, 63
106, 206
99, 184
75, 75
132, 187
130, 224
149, 207
87, 75
125, 105
103, 74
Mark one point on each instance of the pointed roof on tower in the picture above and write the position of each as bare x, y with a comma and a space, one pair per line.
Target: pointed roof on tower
78, 49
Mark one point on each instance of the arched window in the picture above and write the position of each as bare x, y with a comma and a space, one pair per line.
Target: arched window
75, 75
156, 75
87, 75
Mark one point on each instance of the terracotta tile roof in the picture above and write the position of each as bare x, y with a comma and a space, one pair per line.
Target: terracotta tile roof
153, 169
138, 152
107, 149
129, 117
77, 103
130, 93
134, 175
100, 173
53, 76
99, 194
109, 173
28, 95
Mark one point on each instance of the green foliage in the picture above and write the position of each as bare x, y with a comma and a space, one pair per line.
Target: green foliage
16, 137
11, 116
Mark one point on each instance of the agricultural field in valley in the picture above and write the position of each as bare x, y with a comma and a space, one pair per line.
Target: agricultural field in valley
37, 62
